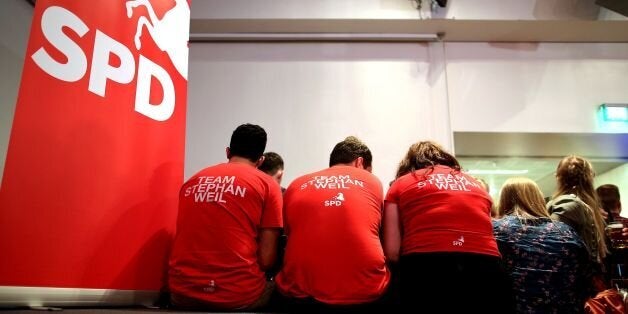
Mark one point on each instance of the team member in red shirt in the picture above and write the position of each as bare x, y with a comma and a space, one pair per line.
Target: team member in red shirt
332, 219
227, 230
438, 219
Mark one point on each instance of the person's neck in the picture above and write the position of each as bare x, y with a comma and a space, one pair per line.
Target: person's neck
241, 160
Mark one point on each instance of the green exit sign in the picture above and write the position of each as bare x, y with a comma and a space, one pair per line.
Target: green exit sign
614, 112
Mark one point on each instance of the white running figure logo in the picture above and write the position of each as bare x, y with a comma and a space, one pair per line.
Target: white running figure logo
339, 197
170, 34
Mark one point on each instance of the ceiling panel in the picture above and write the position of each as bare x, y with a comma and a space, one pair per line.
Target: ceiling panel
535, 155
541, 170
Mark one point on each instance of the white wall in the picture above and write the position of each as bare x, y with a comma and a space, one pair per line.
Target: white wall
310, 96
15, 21
532, 87
397, 9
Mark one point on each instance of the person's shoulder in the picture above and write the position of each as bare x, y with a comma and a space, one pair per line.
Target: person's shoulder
244, 171
563, 227
311, 175
566, 201
367, 175
497, 222
507, 220
505, 228
370, 180
300, 180
566, 232
405, 181
262, 176
207, 171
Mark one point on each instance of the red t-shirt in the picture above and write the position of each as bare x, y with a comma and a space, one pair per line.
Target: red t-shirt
214, 255
334, 254
443, 210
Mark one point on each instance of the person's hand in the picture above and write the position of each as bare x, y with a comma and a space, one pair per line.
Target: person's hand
604, 213
624, 232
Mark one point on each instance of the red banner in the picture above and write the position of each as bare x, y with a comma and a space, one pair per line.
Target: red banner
95, 158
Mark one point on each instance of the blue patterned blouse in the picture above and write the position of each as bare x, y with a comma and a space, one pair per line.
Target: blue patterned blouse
547, 262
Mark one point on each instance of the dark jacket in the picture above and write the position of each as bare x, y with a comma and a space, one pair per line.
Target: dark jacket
571, 210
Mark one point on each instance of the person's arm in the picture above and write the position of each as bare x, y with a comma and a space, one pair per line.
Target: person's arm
267, 247
270, 225
392, 232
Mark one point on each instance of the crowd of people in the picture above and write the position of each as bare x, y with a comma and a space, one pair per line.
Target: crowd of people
332, 241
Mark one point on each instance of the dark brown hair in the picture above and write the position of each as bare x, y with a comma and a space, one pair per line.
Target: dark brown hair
425, 154
349, 150
272, 163
609, 196
248, 141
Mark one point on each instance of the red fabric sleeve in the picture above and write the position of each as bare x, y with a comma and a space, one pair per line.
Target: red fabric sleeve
272, 211
393, 193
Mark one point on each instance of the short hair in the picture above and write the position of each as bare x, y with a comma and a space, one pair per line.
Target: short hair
272, 163
349, 150
426, 154
248, 141
609, 196
521, 197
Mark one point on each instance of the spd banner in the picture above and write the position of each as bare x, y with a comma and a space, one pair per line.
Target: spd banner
95, 158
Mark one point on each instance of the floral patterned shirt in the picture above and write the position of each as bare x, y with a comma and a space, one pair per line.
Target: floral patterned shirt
547, 262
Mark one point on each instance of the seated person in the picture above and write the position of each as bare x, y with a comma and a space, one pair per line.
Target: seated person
437, 226
273, 166
547, 261
227, 229
334, 258
611, 203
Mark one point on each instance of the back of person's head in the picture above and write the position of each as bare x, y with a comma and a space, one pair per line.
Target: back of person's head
521, 197
426, 154
248, 141
574, 174
272, 163
484, 184
349, 150
609, 197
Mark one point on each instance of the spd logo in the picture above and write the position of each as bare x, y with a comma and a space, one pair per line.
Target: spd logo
336, 200
170, 34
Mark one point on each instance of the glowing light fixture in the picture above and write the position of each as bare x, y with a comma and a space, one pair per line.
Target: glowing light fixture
614, 112
497, 171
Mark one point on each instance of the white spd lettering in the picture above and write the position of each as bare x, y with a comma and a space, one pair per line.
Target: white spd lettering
333, 203
212, 189
332, 182
448, 182
55, 18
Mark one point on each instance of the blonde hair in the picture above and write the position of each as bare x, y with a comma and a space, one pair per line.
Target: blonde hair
574, 175
523, 198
